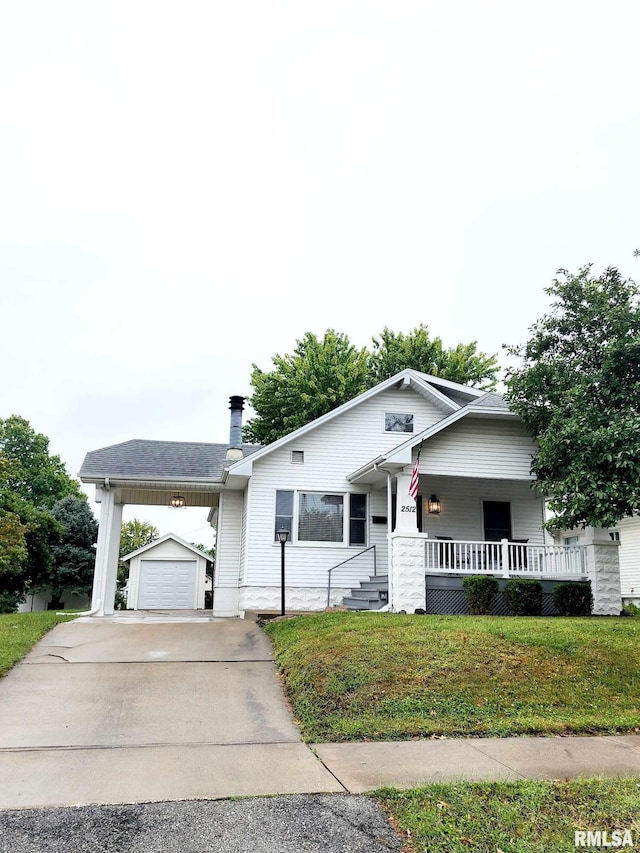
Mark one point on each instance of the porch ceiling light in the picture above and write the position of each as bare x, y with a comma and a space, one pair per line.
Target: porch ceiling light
433, 505
177, 501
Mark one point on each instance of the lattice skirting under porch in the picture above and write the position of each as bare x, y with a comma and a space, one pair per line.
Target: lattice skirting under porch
446, 596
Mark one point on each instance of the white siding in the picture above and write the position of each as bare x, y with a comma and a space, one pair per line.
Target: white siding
630, 557
477, 447
229, 540
461, 499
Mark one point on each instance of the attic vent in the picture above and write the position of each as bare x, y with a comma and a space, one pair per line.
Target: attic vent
297, 457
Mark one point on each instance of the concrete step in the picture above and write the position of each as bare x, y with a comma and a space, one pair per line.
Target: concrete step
366, 594
380, 582
352, 603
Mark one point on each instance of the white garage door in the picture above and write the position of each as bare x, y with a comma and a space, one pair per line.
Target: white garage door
167, 584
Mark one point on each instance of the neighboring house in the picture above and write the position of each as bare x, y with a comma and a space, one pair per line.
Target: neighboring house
42, 601
341, 485
167, 574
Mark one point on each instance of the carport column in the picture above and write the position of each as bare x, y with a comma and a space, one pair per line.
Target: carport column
603, 568
407, 574
107, 552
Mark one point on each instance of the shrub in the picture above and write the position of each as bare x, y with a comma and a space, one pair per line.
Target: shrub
480, 591
524, 596
573, 599
631, 609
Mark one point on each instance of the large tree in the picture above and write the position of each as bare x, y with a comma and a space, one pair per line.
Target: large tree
34, 474
577, 388
394, 351
31, 481
323, 373
317, 377
73, 551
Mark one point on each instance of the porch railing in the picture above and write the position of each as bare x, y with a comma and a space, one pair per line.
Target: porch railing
504, 558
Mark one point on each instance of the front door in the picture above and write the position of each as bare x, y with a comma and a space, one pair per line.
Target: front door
497, 520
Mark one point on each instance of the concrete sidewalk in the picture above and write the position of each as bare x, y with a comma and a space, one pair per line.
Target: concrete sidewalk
133, 711
363, 767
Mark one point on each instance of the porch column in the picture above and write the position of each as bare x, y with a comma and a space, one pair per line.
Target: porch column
603, 569
407, 587
406, 512
107, 552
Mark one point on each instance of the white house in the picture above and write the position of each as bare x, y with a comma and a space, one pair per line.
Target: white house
167, 574
341, 486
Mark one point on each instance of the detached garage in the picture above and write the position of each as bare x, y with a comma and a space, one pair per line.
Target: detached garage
168, 574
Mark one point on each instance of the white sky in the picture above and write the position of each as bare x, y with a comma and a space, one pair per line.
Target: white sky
188, 187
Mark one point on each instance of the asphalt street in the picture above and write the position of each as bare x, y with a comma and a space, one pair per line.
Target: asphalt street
289, 824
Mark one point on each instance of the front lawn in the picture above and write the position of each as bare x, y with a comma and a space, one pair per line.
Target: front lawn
354, 676
20, 631
514, 817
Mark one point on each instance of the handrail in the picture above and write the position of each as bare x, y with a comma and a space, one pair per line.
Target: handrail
337, 566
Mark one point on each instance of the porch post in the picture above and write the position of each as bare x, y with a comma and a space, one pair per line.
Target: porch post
603, 569
407, 585
107, 551
406, 510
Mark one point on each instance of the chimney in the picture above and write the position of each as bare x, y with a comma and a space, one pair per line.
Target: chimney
236, 404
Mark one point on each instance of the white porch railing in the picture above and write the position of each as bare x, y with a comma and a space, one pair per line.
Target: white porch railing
503, 558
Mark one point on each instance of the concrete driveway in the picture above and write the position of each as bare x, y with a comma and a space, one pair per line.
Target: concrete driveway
140, 711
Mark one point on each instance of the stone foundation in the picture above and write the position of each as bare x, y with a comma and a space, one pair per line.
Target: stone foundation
267, 598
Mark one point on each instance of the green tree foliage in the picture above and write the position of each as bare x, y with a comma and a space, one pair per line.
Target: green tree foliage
73, 551
394, 351
31, 481
32, 473
317, 377
323, 373
578, 390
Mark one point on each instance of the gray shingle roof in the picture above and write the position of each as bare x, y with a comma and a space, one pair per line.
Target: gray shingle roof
159, 460
491, 400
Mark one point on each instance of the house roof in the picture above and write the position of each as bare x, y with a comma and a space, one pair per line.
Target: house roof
139, 459
164, 538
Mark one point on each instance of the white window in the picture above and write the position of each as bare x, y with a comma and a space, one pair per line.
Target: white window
571, 541
398, 422
322, 517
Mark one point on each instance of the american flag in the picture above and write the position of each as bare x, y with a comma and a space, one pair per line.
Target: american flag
415, 478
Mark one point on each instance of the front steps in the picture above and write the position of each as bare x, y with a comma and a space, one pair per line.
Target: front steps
370, 595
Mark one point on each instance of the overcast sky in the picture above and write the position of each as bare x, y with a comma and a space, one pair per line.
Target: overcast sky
189, 187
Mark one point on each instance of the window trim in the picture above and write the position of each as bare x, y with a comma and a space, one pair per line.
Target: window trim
346, 519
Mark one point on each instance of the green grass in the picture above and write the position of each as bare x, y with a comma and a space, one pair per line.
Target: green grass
356, 676
20, 631
512, 817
